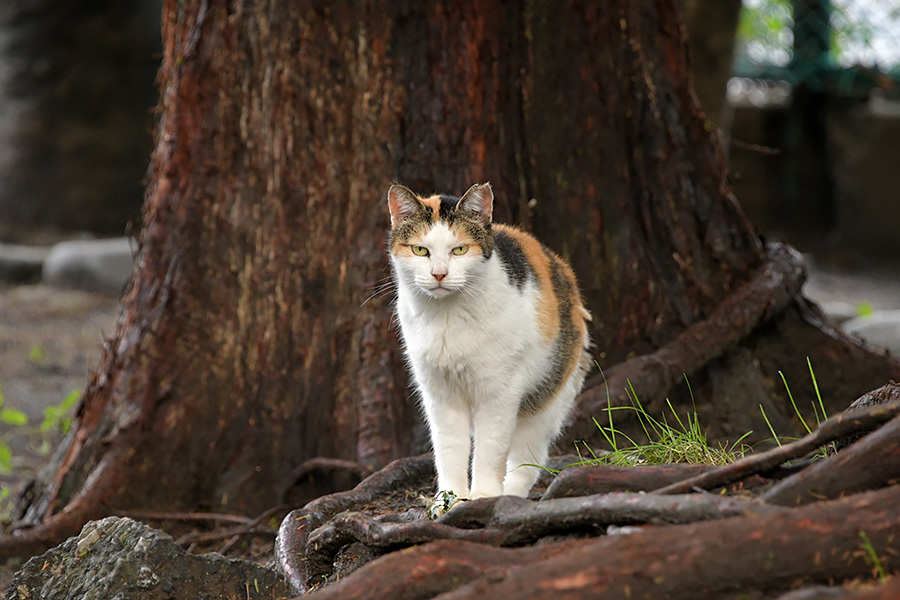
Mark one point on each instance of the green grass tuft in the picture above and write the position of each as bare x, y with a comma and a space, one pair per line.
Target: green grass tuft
825, 450
682, 441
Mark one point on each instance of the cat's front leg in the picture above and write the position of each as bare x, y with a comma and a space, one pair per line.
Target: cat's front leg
493, 425
448, 422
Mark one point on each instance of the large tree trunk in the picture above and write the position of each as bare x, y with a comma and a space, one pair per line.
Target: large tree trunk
246, 345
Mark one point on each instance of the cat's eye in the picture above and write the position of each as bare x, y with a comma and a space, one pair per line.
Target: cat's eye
419, 250
460, 250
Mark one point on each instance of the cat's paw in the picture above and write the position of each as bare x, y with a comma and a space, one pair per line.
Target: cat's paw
443, 501
488, 491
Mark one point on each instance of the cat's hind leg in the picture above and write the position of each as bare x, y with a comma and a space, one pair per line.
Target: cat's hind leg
528, 452
531, 444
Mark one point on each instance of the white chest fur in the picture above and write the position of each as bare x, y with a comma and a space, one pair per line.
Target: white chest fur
474, 339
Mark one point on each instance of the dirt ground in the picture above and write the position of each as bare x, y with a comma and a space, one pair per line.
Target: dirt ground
49, 340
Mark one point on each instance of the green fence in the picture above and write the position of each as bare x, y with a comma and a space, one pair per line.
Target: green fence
845, 47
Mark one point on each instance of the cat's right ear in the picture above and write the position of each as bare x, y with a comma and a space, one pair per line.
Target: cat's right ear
402, 203
480, 201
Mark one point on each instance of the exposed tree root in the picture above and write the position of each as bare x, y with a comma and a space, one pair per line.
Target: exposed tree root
817, 543
870, 463
88, 504
601, 479
402, 477
338, 534
512, 521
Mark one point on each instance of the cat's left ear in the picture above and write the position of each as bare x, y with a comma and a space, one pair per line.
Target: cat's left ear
479, 200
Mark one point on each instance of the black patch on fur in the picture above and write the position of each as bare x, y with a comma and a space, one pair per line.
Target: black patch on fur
566, 344
448, 203
468, 221
513, 259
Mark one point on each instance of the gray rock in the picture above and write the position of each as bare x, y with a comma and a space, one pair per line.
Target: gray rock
21, 264
881, 329
839, 311
95, 265
121, 559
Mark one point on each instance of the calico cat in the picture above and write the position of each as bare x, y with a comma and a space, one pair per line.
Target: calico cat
495, 333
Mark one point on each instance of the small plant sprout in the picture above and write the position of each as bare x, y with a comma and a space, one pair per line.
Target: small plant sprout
37, 355
864, 309
58, 417
15, 418
872, 556
816, 409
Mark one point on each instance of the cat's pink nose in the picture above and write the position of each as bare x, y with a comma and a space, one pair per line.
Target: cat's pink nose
439, 276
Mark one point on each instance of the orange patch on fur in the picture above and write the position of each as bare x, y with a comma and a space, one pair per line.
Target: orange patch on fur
401, 250
554, 312
548, 308
434, 203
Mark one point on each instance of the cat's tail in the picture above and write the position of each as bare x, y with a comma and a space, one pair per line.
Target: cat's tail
586, 360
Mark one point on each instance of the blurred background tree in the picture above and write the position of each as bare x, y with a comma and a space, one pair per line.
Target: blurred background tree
76, 95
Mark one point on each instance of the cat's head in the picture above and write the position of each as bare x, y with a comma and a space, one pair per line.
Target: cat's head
439, 244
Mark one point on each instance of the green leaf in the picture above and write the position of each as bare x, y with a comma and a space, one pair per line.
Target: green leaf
5, 457
13, 416
56, 415
864, 309
70, 400
37, 354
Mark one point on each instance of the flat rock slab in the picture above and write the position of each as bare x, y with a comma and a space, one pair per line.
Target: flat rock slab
881, 328
122, 559
96, 265
21, 264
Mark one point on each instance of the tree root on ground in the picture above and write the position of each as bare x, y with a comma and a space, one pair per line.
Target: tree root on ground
816, 543
404, 477
494, 546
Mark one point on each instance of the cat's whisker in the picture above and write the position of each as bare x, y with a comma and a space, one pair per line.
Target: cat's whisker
381, 290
